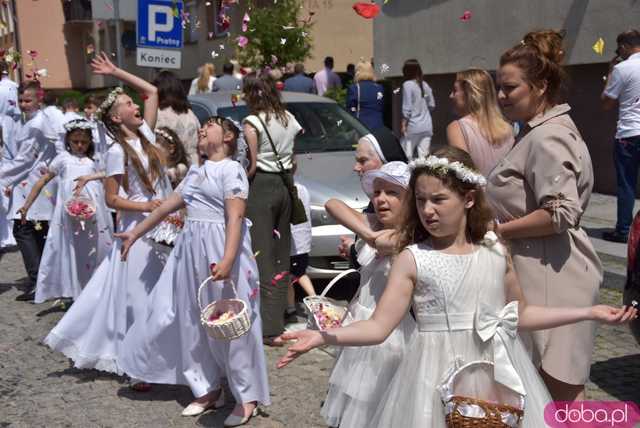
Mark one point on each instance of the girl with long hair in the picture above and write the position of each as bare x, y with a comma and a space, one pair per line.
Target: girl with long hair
92, 331
177, 162
539, 192
417, 103
466, 299
481, 130
269, 131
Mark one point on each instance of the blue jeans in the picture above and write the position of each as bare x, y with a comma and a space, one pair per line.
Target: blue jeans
627, 160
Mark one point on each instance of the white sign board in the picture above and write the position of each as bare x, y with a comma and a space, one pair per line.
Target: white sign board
158, 58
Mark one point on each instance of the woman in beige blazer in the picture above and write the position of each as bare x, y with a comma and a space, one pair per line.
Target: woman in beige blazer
539, 192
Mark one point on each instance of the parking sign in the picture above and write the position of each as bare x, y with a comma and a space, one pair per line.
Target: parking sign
159, 24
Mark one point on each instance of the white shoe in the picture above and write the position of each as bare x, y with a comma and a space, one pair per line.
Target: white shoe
235, 420
195, 409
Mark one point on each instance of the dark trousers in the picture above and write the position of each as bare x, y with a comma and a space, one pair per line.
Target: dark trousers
627, 160
269, 209
31, 244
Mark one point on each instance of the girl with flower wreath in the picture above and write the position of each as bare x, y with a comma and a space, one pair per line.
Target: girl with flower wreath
73, 250
91, 332
458, 278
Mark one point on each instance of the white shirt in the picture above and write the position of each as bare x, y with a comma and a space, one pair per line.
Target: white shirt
193, 89
9, 97
301, 233
624, 86
282, 137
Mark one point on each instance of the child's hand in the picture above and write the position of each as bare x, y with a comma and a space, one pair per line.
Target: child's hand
344, 249
101, 64
23, 214
220, 271
128, 238
153, 204
80, 183
306, 340
611, 315
385, 243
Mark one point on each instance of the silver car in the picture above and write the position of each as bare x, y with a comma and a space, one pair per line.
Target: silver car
324, 154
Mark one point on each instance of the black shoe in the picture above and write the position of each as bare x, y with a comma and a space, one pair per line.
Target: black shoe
27, 296
290, 317
615, 236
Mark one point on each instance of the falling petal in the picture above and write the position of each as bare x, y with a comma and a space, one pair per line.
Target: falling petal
276, 233
214, 54
598, 47
283, 41
396, 91
379, 96
384, 68
257, 253
274, 60
92, 252
254, 293
242, 41
466, 16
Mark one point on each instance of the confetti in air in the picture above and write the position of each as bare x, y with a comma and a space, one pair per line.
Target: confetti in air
276, 234
384, 68
598, 46
466, 16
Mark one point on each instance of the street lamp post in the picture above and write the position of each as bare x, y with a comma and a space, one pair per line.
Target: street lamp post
116, 17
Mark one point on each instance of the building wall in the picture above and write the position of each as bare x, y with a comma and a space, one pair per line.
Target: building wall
41, 28
432, 32
339, 32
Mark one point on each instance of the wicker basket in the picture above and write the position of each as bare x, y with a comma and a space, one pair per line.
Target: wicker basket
233, 328
496, 415
314, 303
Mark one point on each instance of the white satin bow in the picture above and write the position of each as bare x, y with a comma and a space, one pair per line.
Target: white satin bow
502, 327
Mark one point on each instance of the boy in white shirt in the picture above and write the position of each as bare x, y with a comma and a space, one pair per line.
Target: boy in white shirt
300, 249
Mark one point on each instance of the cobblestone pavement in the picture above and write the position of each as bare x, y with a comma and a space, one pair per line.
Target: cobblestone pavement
39, 388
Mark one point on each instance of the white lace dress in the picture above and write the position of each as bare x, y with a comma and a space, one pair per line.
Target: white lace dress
169, 345
361, 375
91, 332
467, 282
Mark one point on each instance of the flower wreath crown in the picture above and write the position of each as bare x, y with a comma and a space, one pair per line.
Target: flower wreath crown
109, 101
443, 166
78, 124
164, 134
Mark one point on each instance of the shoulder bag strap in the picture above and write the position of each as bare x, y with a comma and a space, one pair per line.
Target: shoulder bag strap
273, 146
358, 111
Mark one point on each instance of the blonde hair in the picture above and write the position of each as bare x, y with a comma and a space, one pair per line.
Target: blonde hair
364, 71
206, 72
481, 102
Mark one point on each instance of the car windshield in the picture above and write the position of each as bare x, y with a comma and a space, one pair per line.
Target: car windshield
327, 127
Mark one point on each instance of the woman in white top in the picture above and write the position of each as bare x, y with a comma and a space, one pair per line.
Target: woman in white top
269, 203
175, 113
417, 102
204, 82
481, 131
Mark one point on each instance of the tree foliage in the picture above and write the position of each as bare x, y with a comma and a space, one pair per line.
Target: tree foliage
276, 34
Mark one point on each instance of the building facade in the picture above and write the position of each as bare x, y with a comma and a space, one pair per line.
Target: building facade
447, 36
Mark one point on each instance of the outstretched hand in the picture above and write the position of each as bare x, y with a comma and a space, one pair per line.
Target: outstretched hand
128, 239
610, 315
305, 340
101, 64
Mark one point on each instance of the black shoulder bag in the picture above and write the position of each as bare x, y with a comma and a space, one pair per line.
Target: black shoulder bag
298, 214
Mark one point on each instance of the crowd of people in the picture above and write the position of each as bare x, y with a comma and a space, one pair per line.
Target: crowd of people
468, 254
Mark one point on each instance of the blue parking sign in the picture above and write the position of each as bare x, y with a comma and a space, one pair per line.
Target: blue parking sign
159, 24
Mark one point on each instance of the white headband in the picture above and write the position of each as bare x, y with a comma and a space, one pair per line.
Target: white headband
78, 124
443, 165
164, 134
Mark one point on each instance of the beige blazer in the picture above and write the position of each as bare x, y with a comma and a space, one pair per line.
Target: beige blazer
549, 167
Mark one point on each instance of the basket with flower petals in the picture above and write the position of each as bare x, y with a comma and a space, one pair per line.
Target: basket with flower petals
80, 208
224, 319
325, 313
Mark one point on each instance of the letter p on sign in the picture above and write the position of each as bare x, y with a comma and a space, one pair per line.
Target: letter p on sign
155, 10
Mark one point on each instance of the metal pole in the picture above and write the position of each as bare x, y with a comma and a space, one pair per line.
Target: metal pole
116, 17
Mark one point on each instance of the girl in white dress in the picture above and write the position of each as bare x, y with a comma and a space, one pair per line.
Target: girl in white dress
91, 332
169, 345
360, 375
456, 277
72, 251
